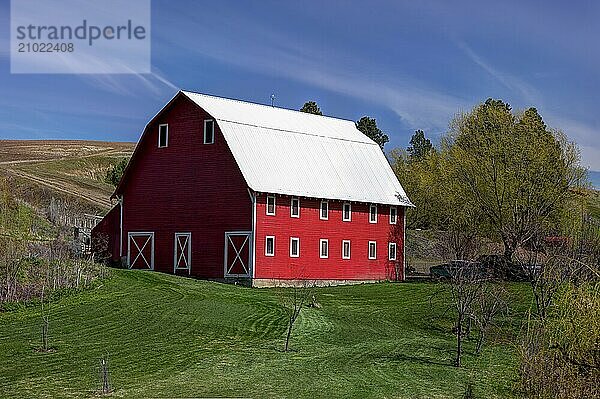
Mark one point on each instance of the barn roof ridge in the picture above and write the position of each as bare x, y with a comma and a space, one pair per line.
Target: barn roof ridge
265, 105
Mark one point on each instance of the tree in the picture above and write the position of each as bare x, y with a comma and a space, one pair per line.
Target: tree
512, 169
368, 126
293, 300
114, 173
420, 147
311, 107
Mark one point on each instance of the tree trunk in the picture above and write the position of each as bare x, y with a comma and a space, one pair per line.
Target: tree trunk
458, 341
289, 334
480, 340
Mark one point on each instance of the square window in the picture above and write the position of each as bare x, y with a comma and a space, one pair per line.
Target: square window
324, 248
347, 212
295, 208
372, 250
324, 210
294, 247
392, 251
271, 205
373, 214
393, 215
346, 249
269, 246
163, 135
209, 131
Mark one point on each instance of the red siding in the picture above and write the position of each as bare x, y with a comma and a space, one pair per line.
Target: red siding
186, 187
105, 236
310, 229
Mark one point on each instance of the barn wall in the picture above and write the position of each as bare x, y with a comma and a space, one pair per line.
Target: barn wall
186, 187
105, 235
310, 229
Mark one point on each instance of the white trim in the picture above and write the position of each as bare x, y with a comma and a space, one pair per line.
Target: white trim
344, 219
404, 245
370, 213
213, 132
238, 252
167, 135
395, 215
266, 239
321, 210
274, 205
298, 247
187, 258
349, 249
292, 207
395, 246
253, 252
150, 239
321, 241
369, 250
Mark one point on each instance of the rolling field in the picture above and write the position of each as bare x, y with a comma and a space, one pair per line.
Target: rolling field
71, 170
168, 336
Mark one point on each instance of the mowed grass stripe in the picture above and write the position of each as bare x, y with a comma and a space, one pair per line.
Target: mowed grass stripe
168, 336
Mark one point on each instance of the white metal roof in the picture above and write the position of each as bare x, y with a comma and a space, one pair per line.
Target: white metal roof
289, 152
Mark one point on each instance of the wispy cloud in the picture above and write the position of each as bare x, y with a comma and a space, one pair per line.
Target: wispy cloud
274, 53
511, 82
586, 135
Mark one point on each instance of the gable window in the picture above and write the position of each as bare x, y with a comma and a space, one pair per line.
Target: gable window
347, 212
392, 251
324, 210
294, 247
270, 246
373, 213
393, 215
295, 208
345, 249
372, 250
271, 205
209, 131
323, 248
163, 135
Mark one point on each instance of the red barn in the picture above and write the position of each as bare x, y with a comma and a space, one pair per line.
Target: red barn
224, 189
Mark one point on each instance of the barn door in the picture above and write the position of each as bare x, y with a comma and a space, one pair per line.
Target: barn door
140, 250
237, 254
182, 254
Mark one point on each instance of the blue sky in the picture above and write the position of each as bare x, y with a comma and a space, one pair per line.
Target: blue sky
410, 64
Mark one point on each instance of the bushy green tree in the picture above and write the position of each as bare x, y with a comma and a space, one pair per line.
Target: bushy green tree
114, 173
311, 107
420, 146
368, 126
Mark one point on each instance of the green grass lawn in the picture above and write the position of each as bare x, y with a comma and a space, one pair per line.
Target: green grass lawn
168, 336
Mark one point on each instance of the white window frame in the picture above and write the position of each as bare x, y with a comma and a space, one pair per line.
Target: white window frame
292, 239
344, 219
390, 246
369, 250
292, 207
166, 135
213, 131
371, 207
266, 246
321, 210
395, 209
274, 205
187, 257
321, 241
344, 242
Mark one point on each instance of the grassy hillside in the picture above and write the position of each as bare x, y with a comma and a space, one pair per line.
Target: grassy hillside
168, 336
69, 170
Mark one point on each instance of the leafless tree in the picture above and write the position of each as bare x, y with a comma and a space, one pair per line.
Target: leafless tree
489, 303
293, 299
104, 376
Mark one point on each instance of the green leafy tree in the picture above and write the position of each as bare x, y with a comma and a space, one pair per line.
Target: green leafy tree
420, 146
368, 126
311, 107
114, 173
513, 171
